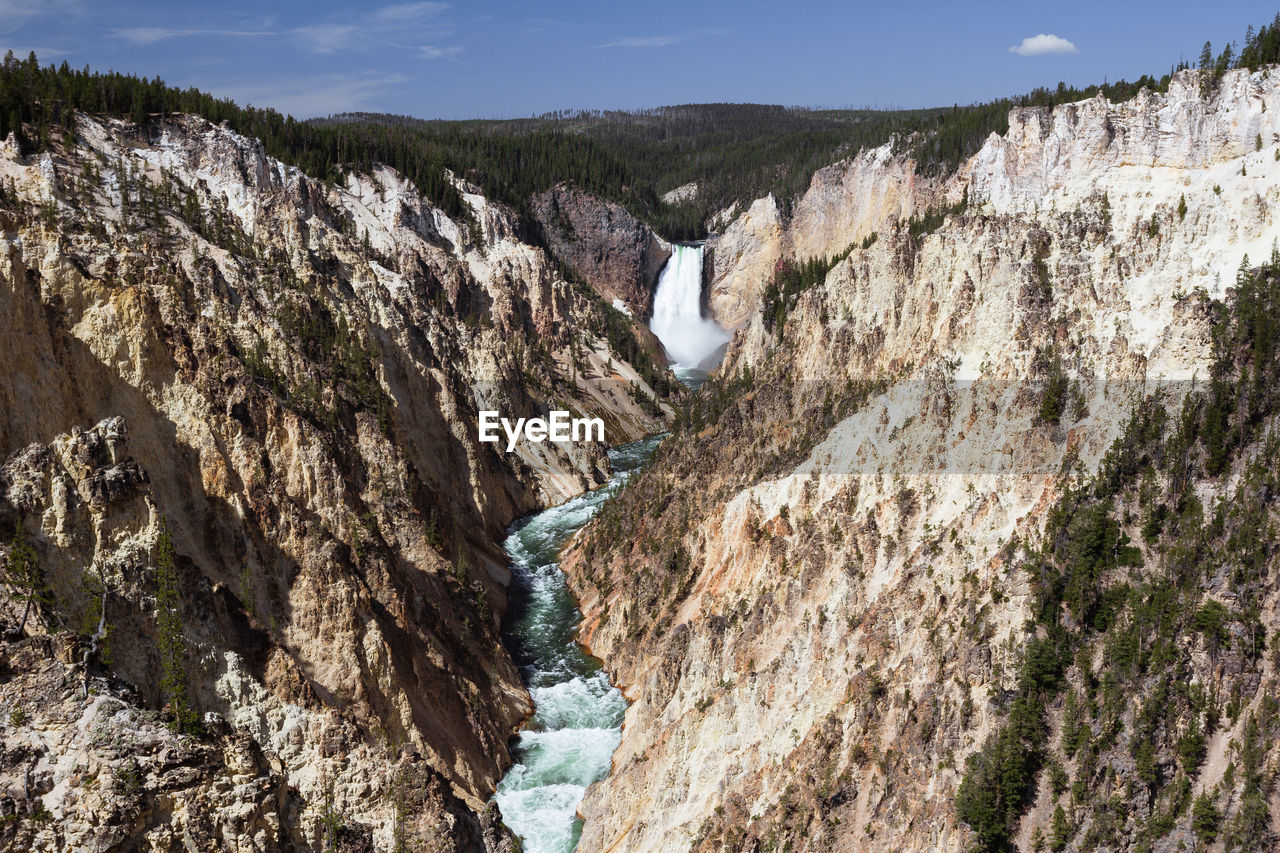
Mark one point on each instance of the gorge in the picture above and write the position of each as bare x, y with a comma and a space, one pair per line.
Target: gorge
568, 742
935, 507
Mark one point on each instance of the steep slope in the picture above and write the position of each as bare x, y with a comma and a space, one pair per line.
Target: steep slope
844, 204
604, 244
857, 560
274, 381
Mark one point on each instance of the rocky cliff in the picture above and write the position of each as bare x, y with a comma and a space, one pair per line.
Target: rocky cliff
953, 554
604, 244
263, 388
844, 204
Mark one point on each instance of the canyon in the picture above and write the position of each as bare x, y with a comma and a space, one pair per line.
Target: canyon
282, 378
841, 598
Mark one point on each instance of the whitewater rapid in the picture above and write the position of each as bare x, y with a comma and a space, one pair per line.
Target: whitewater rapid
577, 721
569, 741
691, 340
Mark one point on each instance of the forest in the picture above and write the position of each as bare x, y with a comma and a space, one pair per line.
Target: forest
1092, 590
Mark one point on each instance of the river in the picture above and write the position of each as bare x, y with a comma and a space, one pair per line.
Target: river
577, 722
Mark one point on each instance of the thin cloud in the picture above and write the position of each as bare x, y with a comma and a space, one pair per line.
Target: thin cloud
647, 41
1043, 45
407, 13
42, 53
15, 13
328, 38
325, 94
377, 28
151, 35
430, 51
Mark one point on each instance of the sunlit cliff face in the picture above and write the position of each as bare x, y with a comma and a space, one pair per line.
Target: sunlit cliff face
819, 612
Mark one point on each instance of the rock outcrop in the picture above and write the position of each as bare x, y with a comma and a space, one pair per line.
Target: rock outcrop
605, 244
845, 204
742, 260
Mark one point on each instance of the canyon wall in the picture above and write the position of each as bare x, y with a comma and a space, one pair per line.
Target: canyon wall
821, 597
605, 244
845, 204
264, 387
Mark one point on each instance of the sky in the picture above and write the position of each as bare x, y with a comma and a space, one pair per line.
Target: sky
457, 59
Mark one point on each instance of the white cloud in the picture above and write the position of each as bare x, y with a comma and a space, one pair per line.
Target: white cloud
15, 13
151, 35
378, 28
1043, 45
328, 38
648, 41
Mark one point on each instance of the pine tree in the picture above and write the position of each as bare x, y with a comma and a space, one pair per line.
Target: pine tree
170, 642
23, 576
1226, 60
1061, 831
1205, 818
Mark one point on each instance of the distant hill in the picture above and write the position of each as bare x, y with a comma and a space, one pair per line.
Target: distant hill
733, 152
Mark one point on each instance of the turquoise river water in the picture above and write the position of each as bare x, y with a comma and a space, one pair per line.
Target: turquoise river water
577, 722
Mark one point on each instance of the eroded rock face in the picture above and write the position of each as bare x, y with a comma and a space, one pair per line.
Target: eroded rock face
602, 242
742, 260
284, 376
845, 204
99, 773
1050, 157
847, 201
809, 597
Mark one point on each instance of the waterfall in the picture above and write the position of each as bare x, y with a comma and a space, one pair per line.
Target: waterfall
691, 340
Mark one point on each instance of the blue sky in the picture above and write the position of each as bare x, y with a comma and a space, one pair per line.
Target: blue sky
489, 59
